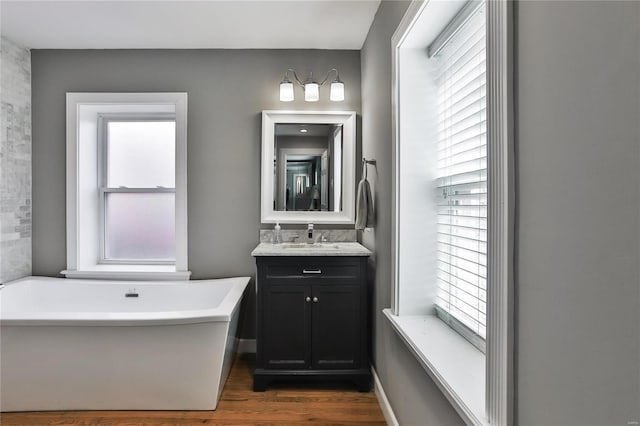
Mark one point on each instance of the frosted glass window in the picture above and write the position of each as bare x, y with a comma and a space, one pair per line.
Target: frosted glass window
141, 154
140, 226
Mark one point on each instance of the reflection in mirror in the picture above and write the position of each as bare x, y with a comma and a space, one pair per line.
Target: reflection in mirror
307, 167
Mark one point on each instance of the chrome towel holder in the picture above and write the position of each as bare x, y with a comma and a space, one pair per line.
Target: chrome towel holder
366, 162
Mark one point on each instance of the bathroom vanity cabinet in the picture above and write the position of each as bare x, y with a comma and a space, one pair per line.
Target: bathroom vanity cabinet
313, 319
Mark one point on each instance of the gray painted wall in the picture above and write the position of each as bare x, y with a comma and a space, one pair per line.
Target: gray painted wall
578, 171
15, 162
227, 90
414, 397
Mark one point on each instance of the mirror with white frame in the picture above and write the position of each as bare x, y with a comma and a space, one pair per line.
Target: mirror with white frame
308, 164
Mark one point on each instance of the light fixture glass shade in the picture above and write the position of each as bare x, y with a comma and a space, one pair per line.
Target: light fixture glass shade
312, 92
337, 91
286, 91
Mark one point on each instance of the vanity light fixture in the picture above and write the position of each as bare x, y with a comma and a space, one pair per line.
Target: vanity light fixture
311, 87
286, 90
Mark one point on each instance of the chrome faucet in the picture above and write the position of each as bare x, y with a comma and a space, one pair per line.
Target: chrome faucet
310, 233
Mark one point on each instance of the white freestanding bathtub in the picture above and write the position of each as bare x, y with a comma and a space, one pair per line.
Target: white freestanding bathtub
115, 345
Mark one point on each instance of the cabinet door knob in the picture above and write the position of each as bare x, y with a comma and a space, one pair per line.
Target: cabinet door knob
315, 300
307, 299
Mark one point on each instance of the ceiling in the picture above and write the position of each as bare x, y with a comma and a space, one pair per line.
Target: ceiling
185, 24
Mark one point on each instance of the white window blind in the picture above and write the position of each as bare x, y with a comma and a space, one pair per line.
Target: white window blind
461, 191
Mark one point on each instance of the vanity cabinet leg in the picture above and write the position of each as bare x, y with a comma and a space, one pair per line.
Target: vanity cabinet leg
260, 384
363, 384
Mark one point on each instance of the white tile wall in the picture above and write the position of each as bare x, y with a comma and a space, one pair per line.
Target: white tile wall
15, 161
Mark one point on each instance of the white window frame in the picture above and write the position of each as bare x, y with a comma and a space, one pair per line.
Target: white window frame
84, 245
479, 387
103, 146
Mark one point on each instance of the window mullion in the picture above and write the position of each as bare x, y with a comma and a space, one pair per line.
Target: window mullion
127, 190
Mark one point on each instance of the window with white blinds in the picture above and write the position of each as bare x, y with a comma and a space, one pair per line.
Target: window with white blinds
461, 188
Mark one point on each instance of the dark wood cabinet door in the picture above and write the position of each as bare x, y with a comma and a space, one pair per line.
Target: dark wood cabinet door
336, 323
285, 322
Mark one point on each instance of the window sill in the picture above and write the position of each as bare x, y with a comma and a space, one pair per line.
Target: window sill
129, 272
455, 365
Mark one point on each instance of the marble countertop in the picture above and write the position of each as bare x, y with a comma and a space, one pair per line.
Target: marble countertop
315, 249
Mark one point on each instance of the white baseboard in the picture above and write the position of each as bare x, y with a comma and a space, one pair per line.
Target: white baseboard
246, 346
387, 411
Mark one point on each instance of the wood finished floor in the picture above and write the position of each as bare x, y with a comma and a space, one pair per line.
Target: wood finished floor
281, 404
